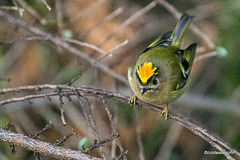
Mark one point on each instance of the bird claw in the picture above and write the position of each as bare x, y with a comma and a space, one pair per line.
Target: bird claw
165, 113
132, 100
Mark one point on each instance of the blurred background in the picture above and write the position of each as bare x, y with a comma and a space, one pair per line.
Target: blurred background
212, 99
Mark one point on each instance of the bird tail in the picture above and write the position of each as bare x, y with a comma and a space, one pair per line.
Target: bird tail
180, 29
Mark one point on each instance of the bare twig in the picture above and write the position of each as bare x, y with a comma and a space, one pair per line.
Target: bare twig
86, 10
63, 139
59, 13
112, 125
122, 155
196, 100
35, 135
42, 147
196, 129
74, 41
106, 54
108, 18
111, 51
59, 42
15, 8
32, 12
204, 56
100, 143
32, 38
87, 112
9, 124
130, 20
61, 106
46, 4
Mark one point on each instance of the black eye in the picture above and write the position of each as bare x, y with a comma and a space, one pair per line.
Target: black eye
155, 82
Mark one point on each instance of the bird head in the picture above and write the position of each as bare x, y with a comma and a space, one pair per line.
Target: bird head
147, 76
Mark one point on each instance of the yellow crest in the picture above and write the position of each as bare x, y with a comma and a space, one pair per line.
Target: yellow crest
146, 71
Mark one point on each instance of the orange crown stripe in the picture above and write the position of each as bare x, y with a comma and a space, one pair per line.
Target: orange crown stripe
146, 71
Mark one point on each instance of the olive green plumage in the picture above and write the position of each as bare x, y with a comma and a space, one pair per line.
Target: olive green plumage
161, 73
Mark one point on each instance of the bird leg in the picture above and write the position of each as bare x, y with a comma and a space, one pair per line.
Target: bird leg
165, 112
132, 100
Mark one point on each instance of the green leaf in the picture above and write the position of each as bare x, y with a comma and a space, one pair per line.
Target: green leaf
82, 142
67, 34
221, 52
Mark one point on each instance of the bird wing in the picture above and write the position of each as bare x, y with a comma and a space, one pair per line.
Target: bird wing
162, 41
174, 37
185, 58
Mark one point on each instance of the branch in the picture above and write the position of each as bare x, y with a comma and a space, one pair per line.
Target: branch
196, 129
130, 20
59, 42
100, 143
42, 147
114, 130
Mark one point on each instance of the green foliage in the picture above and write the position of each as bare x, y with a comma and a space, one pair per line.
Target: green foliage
67, 34
83, 143
221, 52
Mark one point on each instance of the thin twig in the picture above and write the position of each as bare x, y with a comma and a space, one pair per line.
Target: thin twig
87, 112
130, 20
110, 53
86, 11
15, 8
9, 124
59, 13
122, 155
63, 139
42, 147
106, 54
74, 41
108, 18
112, 125
46, 4
35, 135
32, 11
204, 56
100, 143
32, 38
196, 129
59, 42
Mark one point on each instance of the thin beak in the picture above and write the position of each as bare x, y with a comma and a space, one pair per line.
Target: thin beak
143, 90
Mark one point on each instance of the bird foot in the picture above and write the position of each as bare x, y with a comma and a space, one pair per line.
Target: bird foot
132, 100
165, 112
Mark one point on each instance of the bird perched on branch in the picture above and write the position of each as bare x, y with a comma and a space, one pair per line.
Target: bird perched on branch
161, 73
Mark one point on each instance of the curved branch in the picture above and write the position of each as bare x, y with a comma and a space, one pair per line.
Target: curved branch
59, 42
42, 147
52, 90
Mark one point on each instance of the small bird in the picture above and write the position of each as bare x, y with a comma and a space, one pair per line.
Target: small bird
161, 73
